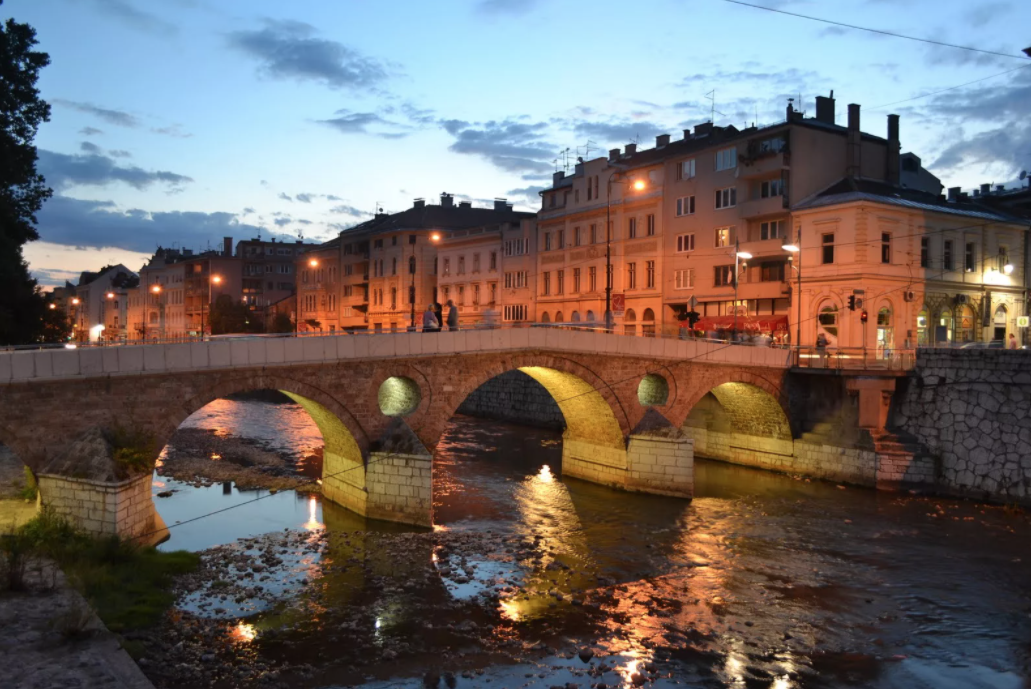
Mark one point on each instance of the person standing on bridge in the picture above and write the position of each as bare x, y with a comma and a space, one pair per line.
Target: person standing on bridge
452, 315
430, 324
438, 311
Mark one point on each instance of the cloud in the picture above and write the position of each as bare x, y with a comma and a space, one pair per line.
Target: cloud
509, 7
529, 196
173, 130
136, 18
348, 122
77, 222
119, 154
248, 210
62, 171
288, 50
90, 147
986, 12
284, 197
511, 145
620, 131
330, 197
90, 131
115, 117
280, 222
305, 198
350, 210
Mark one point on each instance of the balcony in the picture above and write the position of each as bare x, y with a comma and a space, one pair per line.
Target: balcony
764, 165
759, 208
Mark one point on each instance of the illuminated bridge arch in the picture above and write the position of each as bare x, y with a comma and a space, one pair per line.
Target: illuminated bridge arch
751, 404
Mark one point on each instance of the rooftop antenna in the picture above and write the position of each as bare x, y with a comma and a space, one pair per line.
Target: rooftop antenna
711, 95
587, 149
564, 154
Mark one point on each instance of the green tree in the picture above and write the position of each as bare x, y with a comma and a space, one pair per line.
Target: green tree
24, 316
227, 316
282, 323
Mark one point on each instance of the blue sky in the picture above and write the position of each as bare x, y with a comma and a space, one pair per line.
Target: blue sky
181, 121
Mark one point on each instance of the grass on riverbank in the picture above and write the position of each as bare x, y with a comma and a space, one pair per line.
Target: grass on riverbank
128, 585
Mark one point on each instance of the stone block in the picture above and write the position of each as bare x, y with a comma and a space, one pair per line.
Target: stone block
293, 350
178, 356
65, 362
238, 353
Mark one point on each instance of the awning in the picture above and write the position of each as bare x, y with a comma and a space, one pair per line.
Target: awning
754, 323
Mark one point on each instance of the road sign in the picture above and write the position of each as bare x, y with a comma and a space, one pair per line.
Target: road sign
618, 304
1022, 321
693, 303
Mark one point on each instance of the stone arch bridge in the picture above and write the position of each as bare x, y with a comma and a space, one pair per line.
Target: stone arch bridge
382, 402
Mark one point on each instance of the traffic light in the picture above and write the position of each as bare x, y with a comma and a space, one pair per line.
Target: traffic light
851, 302
863, 316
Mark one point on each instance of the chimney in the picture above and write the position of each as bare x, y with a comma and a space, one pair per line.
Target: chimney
661, 140
954, 193
631, 149
1000, 187
501, 204
557, 177
465, 204
687, 134
854, 143
825, 109
894, 147
986, 189
702, 129
613, 154
419, 203
447, 200
227, 246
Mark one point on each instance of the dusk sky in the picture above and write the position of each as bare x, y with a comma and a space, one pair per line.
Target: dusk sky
182, 121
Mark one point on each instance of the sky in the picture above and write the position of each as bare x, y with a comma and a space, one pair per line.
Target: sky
178, 122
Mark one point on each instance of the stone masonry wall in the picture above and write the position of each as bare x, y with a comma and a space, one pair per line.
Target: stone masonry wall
595, 463
400, 488
971, 409
104, 509
517, 398
661, 465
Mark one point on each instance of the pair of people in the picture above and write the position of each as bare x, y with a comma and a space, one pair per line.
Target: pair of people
432, 317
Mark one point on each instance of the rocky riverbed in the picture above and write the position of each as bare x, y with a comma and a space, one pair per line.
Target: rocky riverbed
12, 474
202, 457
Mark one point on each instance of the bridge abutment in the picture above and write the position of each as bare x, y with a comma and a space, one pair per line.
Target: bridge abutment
400, 488
105, 508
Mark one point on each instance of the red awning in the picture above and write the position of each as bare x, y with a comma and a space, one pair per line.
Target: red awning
766, 324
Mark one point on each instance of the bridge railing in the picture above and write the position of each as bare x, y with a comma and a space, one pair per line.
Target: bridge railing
855, 358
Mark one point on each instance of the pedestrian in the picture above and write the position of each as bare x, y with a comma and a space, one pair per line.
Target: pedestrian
438, 311
1013, 342
490, 318
452, 315
429, 320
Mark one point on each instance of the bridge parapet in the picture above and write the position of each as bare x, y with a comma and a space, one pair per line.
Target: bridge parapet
57, 364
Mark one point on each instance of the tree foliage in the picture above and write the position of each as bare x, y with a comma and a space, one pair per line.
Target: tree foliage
24, 316
282, 323
227, 316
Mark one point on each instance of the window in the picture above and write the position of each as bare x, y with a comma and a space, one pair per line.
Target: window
650, 224
476, 293
685, 169
562, 239
685, 242
476, 263
447, 266
560, 282
722, 236
772, 271
771, 230
969, 262
393, 298
828, 248
947, 256
393, 267
592, 279
771, 188
1004, 258
411, 239
515, 247
349, 269
493, 287
649, 274
590, 189
723, 276
631, 228
726, 198
576, 280
393, 241
828, 320
514, 312
594, 234
411, 265
377, 244
726, 159
347, 312
886, 247
284, 268
461, 295
631, 276
546, 289
771, 145
685, 205
683, 279
461, 265
348, 290
547, 241
925, 251
576, 236
493, 260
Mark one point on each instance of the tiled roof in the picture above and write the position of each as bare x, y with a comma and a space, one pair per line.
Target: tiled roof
431, 217
849, 190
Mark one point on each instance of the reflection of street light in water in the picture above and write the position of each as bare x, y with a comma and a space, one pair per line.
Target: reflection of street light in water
313, 522
243, 633
545, 474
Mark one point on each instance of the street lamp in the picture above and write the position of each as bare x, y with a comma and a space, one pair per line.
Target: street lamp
156, 289
53, 306
217, 279
738, 257
314, 262
636, 185
797, 249
434, 238
103, 315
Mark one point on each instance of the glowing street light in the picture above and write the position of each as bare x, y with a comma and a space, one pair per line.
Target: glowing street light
639, 185
797, 249
75, 301
738, 257
314, 262
435, 237
156, 289
636, 185
217, 279
53, 306
1008, 268
110, 295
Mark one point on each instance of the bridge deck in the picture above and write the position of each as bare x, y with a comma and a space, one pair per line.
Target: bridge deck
57, 364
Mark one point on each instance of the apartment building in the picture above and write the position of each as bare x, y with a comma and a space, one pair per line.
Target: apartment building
388, 266
319, 289
269, 270
206, 277
698, 225
156, 306
100, 312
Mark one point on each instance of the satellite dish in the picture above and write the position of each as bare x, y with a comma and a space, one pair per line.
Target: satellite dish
1023, 175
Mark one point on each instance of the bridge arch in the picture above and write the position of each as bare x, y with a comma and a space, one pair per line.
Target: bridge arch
754, 405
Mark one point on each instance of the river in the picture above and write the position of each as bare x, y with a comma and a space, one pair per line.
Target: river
761, 580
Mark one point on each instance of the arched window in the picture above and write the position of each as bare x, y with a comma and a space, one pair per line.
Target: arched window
922, 327
575, 317
649, 315
827, 322
943, 324
558, 316
885, 330
1001, 317
964, 325
590, 316
648, 325
629, 322
545, 318
630, 316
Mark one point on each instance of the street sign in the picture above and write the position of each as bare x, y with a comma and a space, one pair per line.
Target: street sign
693, 303
1022, 321
618, 304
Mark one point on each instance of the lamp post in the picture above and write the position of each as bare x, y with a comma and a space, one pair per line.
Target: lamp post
434, 238
797, 249
637, 185
738, 255
76, 329
103, 314
156, 289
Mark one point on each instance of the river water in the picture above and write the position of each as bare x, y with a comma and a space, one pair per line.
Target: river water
761, 581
